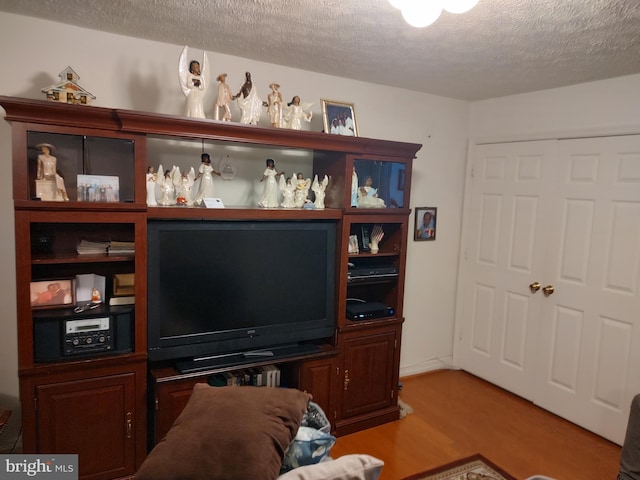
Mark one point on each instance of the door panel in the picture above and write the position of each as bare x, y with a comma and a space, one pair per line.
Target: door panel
503, 251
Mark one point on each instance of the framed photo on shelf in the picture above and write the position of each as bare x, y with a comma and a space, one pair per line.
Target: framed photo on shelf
425, 226
55, 293
339, 118
98, 188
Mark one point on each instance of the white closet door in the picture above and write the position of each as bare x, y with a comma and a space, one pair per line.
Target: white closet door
503, 253
565, 214
590, 325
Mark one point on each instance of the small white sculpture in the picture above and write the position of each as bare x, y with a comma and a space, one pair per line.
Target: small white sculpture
354, 188
151, 187
288, 191
302, 189
49, 183
270, 194
295, 113
319, 189
274, 106
184, 185
194, 81
224, 99
205, 189
165, 181
376, 238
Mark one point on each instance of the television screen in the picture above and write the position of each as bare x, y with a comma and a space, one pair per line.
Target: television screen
226, 287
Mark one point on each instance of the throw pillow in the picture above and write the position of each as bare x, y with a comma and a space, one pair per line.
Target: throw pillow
228, 433
347, 467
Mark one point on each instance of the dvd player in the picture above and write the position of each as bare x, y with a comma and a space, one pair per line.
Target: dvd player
363, 274
368, 310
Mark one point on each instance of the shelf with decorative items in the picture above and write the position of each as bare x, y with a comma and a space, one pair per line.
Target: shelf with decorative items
55, 216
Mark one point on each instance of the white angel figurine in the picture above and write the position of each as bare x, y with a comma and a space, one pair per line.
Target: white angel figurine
184, 184
288, 190
302, 190
319, 189
165, 181
295, 113
151, 187
194, 81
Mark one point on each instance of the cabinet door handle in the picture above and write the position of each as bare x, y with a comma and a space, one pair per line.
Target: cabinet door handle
346, 380
129, 425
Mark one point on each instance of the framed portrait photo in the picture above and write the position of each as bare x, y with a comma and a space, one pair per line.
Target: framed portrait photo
425, 226
339, 118
55, 293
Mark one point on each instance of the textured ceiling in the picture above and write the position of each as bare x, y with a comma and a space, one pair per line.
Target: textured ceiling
501, 47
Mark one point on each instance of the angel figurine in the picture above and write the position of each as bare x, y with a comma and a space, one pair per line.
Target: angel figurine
302, 190
319, 189
194, 81
288, 190
165, 181
184, 184
295, 113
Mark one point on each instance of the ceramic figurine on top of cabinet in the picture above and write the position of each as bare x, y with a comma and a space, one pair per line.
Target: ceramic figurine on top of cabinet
270, 194
49, 183
274, 105
249, 102
205, 189
184, 185
368, 195
295, 113
194, 81
319, 189
151, 177
224, 99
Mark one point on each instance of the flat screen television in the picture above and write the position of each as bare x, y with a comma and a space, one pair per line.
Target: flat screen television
217, 289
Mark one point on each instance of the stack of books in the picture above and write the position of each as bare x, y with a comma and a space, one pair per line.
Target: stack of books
121, 248
265, 376
88, 247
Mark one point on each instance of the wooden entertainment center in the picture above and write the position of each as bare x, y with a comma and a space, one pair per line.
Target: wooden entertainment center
109, 404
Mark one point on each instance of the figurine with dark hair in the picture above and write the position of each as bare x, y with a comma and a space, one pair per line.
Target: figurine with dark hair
270, 194
194, 81
368, 195
249, 102
296, 113
205, 189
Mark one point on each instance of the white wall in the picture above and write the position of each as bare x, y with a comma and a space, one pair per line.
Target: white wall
124, 72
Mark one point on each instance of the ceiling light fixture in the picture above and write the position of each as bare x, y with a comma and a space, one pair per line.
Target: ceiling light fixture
421, 13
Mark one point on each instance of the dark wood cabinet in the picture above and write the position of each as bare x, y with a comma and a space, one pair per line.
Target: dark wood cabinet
73, 402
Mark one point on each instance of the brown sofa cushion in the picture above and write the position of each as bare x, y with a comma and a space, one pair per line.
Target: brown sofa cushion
228, 433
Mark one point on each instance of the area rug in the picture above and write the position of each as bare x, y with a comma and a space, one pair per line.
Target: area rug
475, 467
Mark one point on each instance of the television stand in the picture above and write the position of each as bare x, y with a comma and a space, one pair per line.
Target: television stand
244, 358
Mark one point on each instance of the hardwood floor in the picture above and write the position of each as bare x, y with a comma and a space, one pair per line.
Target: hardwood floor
457, 415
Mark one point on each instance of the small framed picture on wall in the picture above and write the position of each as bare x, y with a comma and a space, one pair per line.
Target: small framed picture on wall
425, 226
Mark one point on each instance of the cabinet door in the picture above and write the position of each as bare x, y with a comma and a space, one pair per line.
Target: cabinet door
94, 418
171, 398
318, 377
368, 372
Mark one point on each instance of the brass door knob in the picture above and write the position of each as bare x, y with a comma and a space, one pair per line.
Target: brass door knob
548, 290
534, 287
